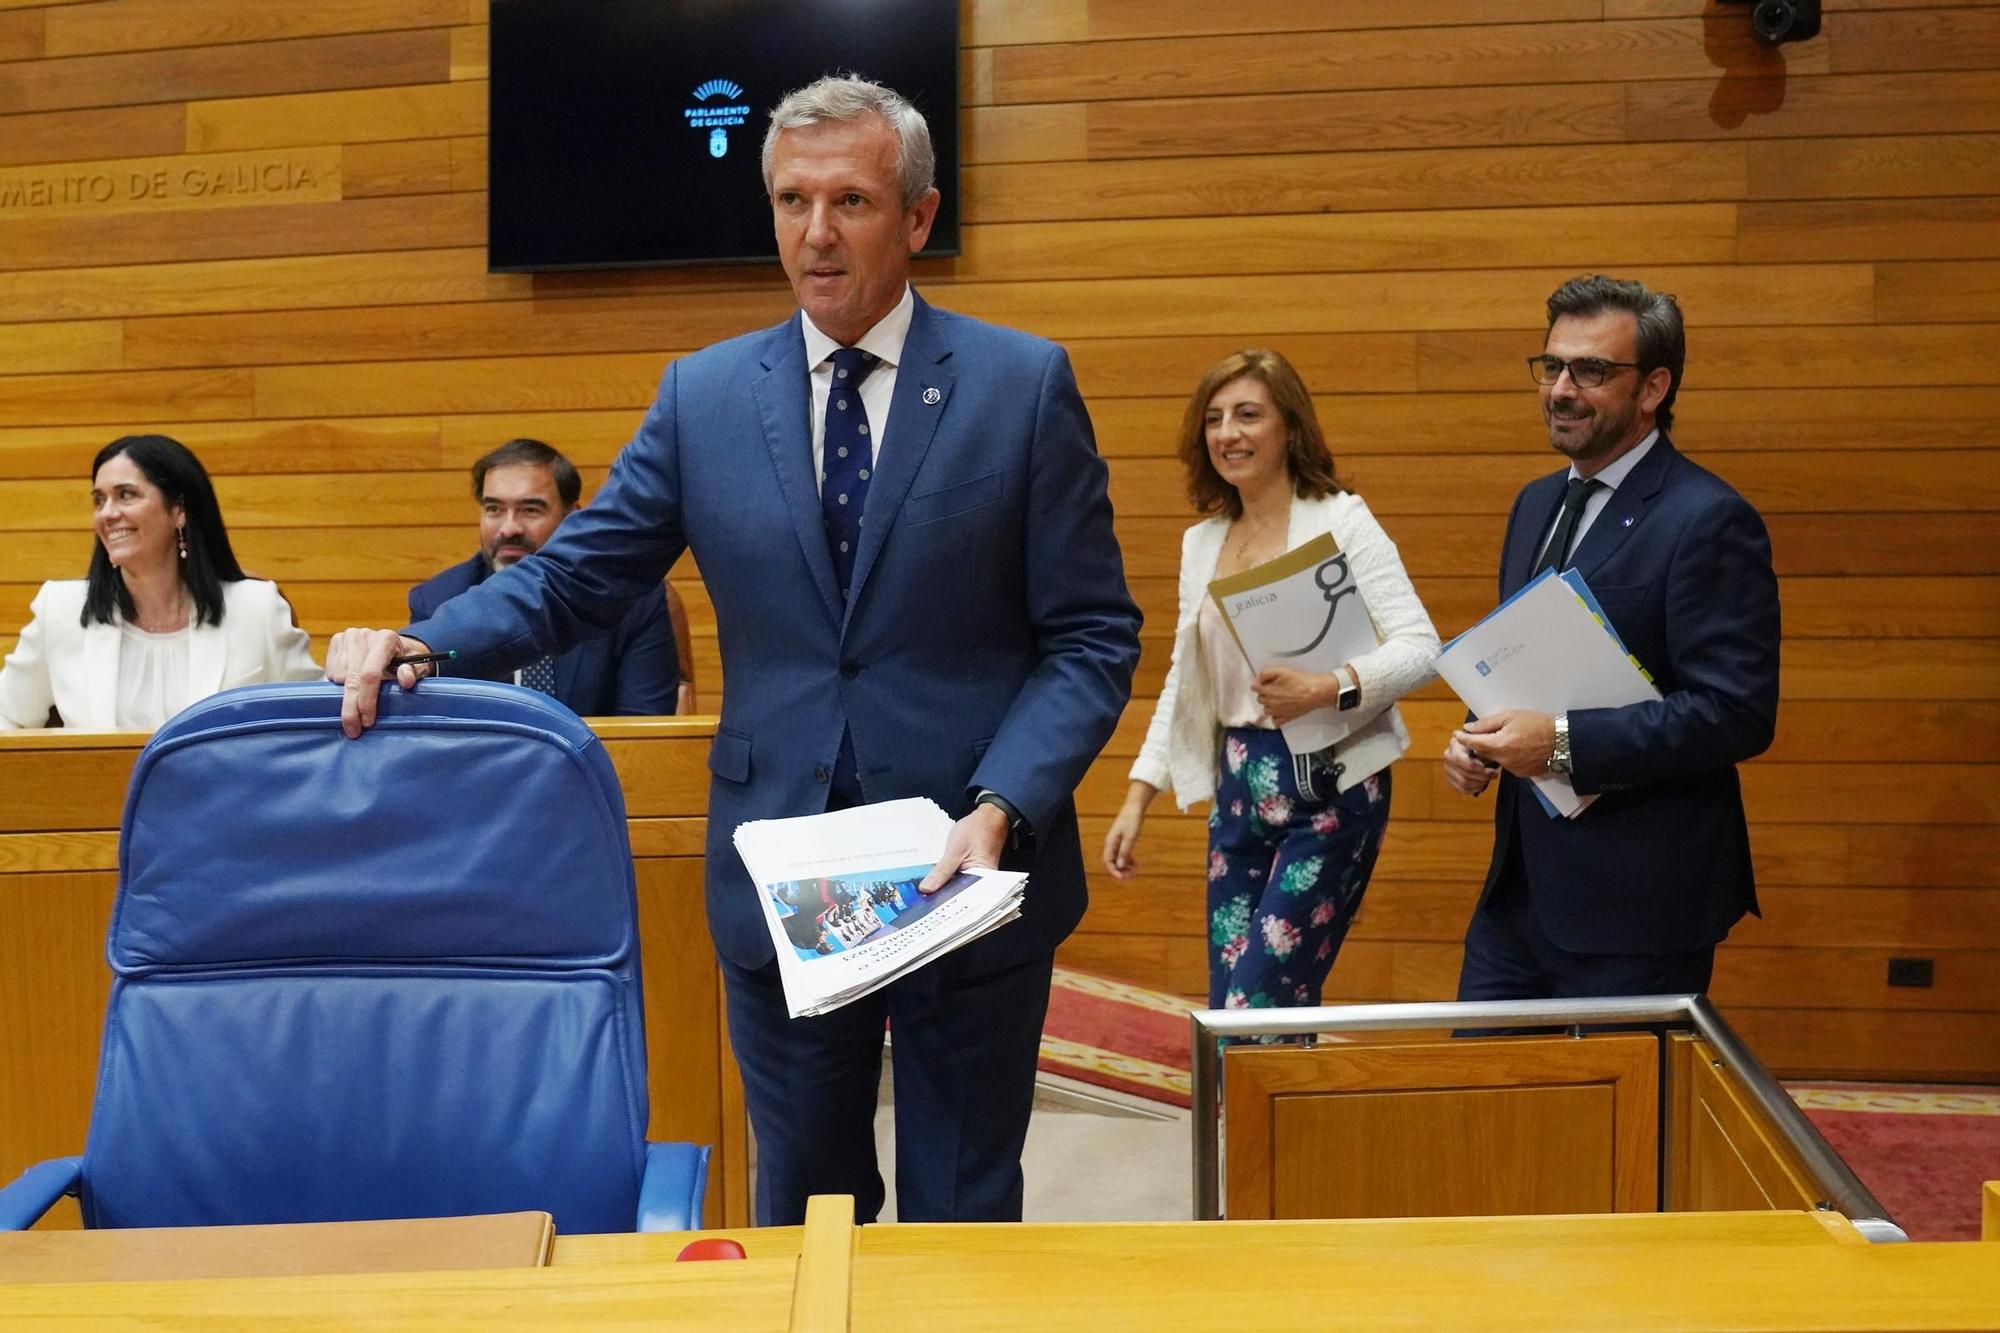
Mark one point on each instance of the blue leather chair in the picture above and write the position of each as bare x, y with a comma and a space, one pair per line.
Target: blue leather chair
390, 977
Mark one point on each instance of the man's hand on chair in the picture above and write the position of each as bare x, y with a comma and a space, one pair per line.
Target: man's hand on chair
359, 659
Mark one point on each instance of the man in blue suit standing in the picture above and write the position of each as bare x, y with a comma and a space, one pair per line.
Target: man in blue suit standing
1632, 896
904, 527
525, 490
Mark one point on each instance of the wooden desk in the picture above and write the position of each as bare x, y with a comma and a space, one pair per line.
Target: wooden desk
64, 797
1355, 1236
1655, 1271
1176, 1283
749, 1296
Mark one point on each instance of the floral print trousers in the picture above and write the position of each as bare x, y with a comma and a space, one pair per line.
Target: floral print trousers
1285, 874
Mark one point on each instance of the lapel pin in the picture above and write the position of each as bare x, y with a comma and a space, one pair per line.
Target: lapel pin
1628, 520
932, 397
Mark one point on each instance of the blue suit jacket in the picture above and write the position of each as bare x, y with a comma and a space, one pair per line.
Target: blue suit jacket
634, 671
987, 640
1661, 862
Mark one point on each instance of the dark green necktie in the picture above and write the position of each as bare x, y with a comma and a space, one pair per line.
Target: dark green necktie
1556, 555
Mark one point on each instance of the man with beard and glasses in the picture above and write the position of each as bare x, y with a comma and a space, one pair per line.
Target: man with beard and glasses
525, 490
1632, 896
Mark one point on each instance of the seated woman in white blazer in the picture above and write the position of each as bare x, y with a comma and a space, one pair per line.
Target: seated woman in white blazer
1291, 839
165, 617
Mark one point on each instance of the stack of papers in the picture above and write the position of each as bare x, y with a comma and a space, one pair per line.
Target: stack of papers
839, 892
1301, 610
1549, 648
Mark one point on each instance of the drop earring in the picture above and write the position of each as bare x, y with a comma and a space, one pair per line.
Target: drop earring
181, 540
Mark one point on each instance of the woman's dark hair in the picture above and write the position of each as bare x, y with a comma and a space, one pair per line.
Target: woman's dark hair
183, 484
1307, 458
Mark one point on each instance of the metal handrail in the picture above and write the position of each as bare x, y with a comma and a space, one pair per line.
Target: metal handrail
1841, 1190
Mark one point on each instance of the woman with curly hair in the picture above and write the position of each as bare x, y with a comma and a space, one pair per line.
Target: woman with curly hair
1292, 839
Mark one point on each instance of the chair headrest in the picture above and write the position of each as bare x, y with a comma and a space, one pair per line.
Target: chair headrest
474, 822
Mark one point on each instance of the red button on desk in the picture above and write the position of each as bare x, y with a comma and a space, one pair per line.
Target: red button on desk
716, 1247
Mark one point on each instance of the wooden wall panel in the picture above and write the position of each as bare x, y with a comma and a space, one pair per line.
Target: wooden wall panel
1894, 166
81, 136
1004, 189
142, 25
1626, 9
361, 60
251, 231
1327, 122
92, 345
1925, 39
1351, 242
20, 35
357, 445
445, 332
256, 284
998, 23
1840, 104
531, 384
1317, 61
1869, 229
1386, 192
339, 117
1962, 290
468, 163
1340, 302
399, 166
121, 398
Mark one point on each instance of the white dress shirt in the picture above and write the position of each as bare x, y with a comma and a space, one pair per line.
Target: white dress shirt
885, 341
1593, 504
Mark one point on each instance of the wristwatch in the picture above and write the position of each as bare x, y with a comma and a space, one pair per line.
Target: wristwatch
1559, 761
1350, 693
1017, 823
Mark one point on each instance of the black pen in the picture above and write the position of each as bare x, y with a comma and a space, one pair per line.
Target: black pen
424, 659
1491, 765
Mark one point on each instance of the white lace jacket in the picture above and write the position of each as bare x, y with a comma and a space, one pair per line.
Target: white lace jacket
1180, 748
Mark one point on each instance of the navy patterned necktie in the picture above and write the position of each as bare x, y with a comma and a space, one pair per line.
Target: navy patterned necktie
1556, 555
540, 674
847, 461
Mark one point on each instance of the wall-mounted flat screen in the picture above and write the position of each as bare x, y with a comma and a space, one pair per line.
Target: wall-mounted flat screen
625, 133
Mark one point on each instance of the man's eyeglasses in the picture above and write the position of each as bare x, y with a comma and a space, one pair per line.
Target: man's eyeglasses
1585, 372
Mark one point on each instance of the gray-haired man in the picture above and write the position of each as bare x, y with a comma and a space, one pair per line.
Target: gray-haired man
918, 593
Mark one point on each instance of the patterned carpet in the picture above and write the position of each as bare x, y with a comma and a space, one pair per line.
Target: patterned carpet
1112, 1035
1923, 1149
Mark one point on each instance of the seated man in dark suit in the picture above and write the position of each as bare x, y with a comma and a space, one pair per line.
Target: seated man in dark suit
525, 489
